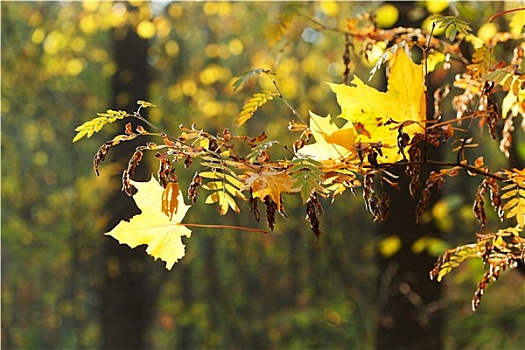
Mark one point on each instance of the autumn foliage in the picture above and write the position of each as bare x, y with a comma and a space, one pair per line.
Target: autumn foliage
374, 133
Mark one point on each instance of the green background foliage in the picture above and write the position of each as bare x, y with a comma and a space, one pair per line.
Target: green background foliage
233, 289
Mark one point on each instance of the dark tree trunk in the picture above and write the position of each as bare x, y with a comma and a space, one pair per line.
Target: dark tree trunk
409, 302
126, 298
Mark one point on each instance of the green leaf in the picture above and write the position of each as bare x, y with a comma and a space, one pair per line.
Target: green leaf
450, 32
246, 76
452, 25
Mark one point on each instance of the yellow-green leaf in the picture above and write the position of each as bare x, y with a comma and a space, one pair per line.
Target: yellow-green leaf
80, 135
95, 125
212, 175
145, 104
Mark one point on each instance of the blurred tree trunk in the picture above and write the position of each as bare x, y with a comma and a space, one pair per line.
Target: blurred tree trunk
409, 302
125, 299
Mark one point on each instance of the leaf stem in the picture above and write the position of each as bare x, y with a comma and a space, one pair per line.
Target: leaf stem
226, 227
504, 13
450, 121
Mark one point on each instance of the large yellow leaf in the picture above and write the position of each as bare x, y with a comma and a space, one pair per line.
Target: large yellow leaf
377, 115
331, 142
153, 226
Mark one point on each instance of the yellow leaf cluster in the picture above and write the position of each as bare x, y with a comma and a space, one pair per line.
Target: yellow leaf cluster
225, 187
252, 105
515, 193
514, 101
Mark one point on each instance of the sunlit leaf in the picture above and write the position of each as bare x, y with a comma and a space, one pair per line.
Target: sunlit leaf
95, 125
331, 142
154, 227
224, 200
145, 104
252, 105
402, 104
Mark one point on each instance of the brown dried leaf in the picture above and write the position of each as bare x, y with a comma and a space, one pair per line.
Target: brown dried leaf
192, 190
313, 210
253, 207
164, 171
128, 174
271, 208
101, 155
479, 209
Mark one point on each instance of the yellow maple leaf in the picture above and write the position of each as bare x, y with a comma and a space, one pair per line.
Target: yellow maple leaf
154, 227
377, 115
332, 143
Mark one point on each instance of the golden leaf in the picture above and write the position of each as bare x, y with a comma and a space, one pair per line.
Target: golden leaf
382, 113
252, 105
153, 227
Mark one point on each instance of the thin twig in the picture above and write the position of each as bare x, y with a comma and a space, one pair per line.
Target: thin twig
249, 229
504, 13
465, 166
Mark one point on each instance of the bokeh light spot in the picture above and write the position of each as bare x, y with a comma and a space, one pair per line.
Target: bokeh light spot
172, 48
436, 6
146, 30
74, 67
38, 36
236, 47
487, 31
386, 16
40, 158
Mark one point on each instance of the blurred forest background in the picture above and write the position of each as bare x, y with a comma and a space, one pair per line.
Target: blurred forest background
66, 285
